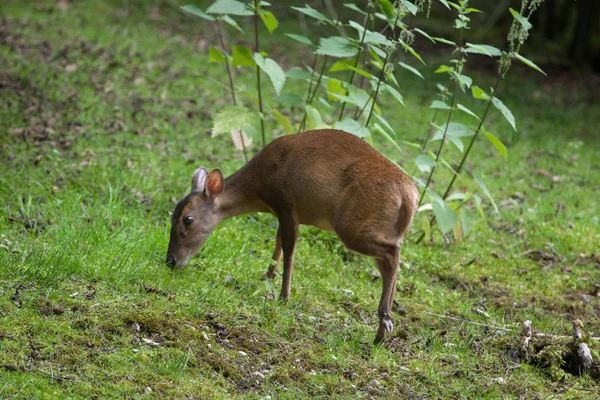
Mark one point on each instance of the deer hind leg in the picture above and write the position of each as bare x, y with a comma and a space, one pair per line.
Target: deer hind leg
270, 274
288, 229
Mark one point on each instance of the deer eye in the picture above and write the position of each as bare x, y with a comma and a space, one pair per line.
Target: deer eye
188, 220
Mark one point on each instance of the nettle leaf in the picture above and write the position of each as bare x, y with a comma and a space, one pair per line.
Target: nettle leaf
411, 69
336, 46
522, 20
479, 179
290, 99
445, 215
443, 68
232, 118
313, 119
386, 136
422, 32
215, 55
454, 132
231, 22
411, 51
269, 20
395, 94
440, 105
297, 73
484, 49
385, 123
334, 86
528, 62
354, 7
242, 56
300, 38
505, 112
272, 69
197, 12
413, 9
342, 65
284, 121
351, 126
479, 93
445, 3
231, 7
370, 36
361, 72
497, 144
311, 12
424, 162
358, 97
464, 80
466, 110
442, 40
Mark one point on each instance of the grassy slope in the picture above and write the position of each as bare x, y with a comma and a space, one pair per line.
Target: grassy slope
103, 118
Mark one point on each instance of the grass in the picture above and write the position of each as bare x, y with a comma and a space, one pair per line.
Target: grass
103, 119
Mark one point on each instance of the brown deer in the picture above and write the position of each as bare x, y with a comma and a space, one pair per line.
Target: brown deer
327, 178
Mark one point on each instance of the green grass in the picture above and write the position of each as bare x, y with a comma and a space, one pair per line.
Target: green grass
104, 117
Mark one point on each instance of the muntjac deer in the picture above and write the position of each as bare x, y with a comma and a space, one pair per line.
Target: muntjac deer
326, 178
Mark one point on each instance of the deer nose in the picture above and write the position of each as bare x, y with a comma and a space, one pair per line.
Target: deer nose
170, 261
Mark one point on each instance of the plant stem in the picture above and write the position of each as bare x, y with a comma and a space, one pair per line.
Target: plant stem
357, 58
452, 102
229, 74
466, 154
257, 50
311, 96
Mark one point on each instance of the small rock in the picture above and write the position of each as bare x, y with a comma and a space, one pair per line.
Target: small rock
241, 353
586, 298
260, 375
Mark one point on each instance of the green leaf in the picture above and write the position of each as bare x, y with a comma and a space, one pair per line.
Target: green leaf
231, 22
215, 55
269, 20
336, 46
472, 10
484, 49
197, 12
395, 94
384, 122
440, 105
424, 162
466, 110
353, 127
284, 121
290, 99
442, 40
522, 20
232, 118
411, 51
478, 93
443, 68
335, 86
481, 183
342, 65
300, 38
411, 69
386, 136
311, 12
424, 34
505, 112
464, 80
313, 119
528, 62
445, 215
361, 72
354, 7
242, 56
272, 69
230, 7
497, 144
426, 226
445, 3
370, 36
296, 73
413, 9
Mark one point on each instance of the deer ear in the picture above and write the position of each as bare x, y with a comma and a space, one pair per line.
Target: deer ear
214, 183
199, 179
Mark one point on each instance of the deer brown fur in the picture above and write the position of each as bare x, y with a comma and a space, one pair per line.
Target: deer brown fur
326, 178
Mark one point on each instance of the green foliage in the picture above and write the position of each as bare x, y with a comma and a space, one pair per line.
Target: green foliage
272, 69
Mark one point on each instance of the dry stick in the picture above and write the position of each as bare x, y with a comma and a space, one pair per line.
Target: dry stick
229, 74
362, 42
260, 103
